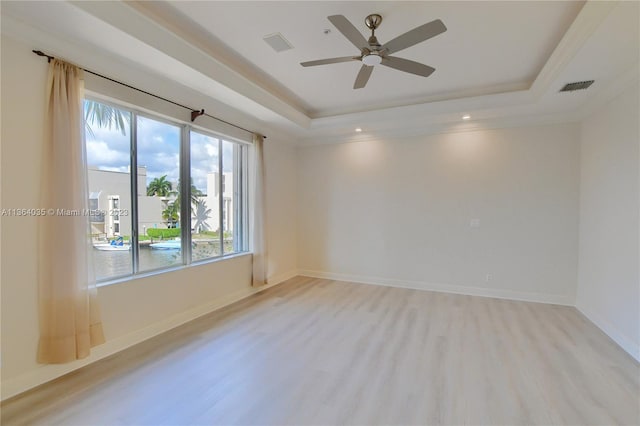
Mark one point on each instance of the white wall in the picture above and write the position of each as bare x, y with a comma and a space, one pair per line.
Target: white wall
609, 281
398, 212
281, 211
134, 310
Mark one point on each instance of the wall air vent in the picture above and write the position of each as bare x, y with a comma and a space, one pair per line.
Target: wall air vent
579, 85
277, 42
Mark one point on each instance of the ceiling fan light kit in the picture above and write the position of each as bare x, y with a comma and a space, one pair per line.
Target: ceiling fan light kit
372, 59
372, 53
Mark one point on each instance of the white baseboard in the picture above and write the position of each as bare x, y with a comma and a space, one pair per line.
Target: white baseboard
277, 279
555, 299
612, 331
46, 373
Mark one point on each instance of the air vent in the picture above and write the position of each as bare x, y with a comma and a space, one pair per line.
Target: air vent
579, 85
277, 42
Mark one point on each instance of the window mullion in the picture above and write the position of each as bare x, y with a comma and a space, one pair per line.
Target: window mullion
135, 246
185, 189
220, 198
237, 204
245, 198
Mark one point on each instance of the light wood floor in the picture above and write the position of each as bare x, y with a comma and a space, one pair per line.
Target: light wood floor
314, 351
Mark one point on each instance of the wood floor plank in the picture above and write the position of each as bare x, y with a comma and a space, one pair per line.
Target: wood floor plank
323, 352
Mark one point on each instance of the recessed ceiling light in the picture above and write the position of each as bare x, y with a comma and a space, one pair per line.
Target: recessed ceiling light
466, 117
358, 129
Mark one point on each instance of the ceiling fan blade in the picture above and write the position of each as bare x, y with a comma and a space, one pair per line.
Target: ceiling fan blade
329, 61
415, 36
408, 66
363, 77
349, 31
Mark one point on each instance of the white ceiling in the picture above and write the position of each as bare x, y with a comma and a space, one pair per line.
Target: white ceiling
501, 62
489, 47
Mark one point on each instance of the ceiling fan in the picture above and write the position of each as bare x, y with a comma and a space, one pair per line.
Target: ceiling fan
372, 53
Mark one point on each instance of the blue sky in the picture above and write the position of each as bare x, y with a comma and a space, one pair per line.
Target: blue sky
158, 151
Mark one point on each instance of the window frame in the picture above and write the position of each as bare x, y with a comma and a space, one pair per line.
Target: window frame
240, 203
240, 165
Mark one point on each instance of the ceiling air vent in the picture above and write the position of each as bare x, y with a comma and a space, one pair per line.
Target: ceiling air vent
277, 42
579, 85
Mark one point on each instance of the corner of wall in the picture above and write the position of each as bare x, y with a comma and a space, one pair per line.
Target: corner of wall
611, 331
607, 290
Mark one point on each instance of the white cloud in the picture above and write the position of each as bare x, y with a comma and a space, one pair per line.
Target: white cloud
158, 150
101, 154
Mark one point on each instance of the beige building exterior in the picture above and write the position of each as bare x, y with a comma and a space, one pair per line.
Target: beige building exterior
213, 198
110, 193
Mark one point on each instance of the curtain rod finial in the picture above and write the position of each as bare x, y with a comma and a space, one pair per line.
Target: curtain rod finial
41, 53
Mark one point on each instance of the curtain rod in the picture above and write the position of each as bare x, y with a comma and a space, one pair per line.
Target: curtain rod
194, 112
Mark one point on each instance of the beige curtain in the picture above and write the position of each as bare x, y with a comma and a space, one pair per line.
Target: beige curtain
69, 317
258, 207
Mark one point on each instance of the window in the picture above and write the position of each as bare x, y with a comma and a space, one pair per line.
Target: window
162, 193
159, 195
108, 147
205, 193
213, 190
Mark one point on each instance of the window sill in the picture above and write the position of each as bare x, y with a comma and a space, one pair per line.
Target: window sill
155, 272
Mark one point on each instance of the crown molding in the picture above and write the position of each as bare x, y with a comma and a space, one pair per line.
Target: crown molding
440, 127
134, 23
193, 68
153, 29
119, 69
592, 14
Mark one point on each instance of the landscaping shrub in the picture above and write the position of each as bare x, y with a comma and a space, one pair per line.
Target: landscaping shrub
163, 233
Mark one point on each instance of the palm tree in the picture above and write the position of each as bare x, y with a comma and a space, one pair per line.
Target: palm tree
195, 193
104, 116
160, 187
171, 214
200, 216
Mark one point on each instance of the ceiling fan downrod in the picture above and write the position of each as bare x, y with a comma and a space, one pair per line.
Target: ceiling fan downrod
372, 22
